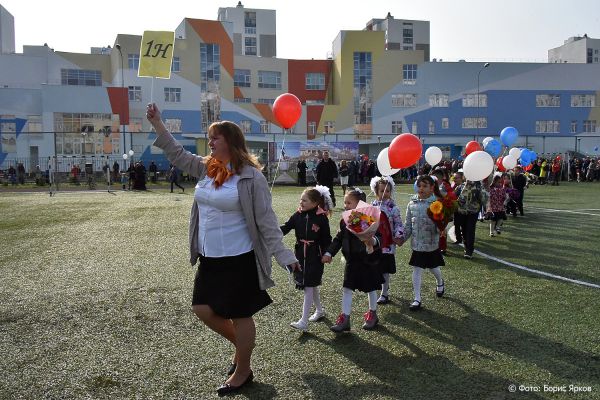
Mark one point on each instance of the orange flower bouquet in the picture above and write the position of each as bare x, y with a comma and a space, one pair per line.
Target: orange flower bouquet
363, 222
442, 211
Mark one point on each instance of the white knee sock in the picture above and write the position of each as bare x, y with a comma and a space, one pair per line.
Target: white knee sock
438, 275
492, 223
416, 278
385, 287
307, 305
346, 301
317, 300
373, 300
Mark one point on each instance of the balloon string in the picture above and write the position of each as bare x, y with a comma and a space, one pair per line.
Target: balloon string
279, 160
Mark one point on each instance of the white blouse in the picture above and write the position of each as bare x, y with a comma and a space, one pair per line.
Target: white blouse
222, 229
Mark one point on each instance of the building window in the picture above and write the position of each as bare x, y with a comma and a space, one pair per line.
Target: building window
266, 101
547, 100
265, 127
246, 126
315, 102
34, 124
172, 95
404, 100
269, 79
80, 77
396, 127
445, 123
573, 126
329, 127
175, 65
407, 34
589, 56
550, 126
470, 100
210, 67
431, 128
589, 126
250, 19
438, 100
133, 61
173, 125
242, 100
414, 130
583, 100
250, 46
472, 123
135, 93
242, 78
315, 81
363, 95
409, 74
135, 125
312, 128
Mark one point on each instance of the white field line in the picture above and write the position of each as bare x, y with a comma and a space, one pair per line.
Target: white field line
535, 271
553, 210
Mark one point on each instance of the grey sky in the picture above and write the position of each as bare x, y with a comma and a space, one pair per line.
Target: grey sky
475, 30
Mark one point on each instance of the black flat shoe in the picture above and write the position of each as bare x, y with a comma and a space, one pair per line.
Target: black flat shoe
227, 388
415, 306
440, 292
231, 369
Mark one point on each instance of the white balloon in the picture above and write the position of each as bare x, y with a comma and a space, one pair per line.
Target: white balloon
486, 140
433, 155
383, 163
509, 162
478, 165
124, 156
515, 152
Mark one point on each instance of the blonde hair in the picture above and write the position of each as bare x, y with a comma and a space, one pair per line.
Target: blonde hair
236, 142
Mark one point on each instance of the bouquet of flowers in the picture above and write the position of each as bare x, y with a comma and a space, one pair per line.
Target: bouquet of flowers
442, 211
363, 222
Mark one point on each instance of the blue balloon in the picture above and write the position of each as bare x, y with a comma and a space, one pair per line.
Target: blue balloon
596, 148
509, 135
493, 148
532, 155
525, 157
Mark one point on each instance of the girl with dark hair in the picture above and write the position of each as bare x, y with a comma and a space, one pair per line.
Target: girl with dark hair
362, 269
311, 226
496, 208
425, 238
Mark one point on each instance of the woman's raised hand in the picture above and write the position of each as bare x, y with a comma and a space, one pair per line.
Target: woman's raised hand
153, 115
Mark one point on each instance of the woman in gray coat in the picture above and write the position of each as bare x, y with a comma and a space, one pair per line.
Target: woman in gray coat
233, 232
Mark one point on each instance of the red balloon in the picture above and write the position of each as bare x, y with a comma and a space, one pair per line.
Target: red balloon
500, 165
528, 168
287, 110
404, 151
471, 147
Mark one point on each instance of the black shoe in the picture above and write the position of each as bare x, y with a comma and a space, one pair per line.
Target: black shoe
226, 388
415, 306
438, 292
231, 369
383, 299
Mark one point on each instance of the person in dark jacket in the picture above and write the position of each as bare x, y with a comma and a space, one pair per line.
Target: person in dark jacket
311, 226
327, 171
519, 183
302, 172
153, 172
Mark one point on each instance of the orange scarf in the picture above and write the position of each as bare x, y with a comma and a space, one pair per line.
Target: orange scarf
218, 171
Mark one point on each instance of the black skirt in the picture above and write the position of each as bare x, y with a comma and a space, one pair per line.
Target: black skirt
426, 259
229, 286
388, 264
363, 277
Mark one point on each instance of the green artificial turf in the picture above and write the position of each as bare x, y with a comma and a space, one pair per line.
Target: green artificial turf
95, 293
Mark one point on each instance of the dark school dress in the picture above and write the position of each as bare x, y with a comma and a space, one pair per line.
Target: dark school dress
426, 259
312, 239
362, 271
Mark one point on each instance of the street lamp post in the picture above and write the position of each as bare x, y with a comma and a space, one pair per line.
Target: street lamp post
118, 47
487, 64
